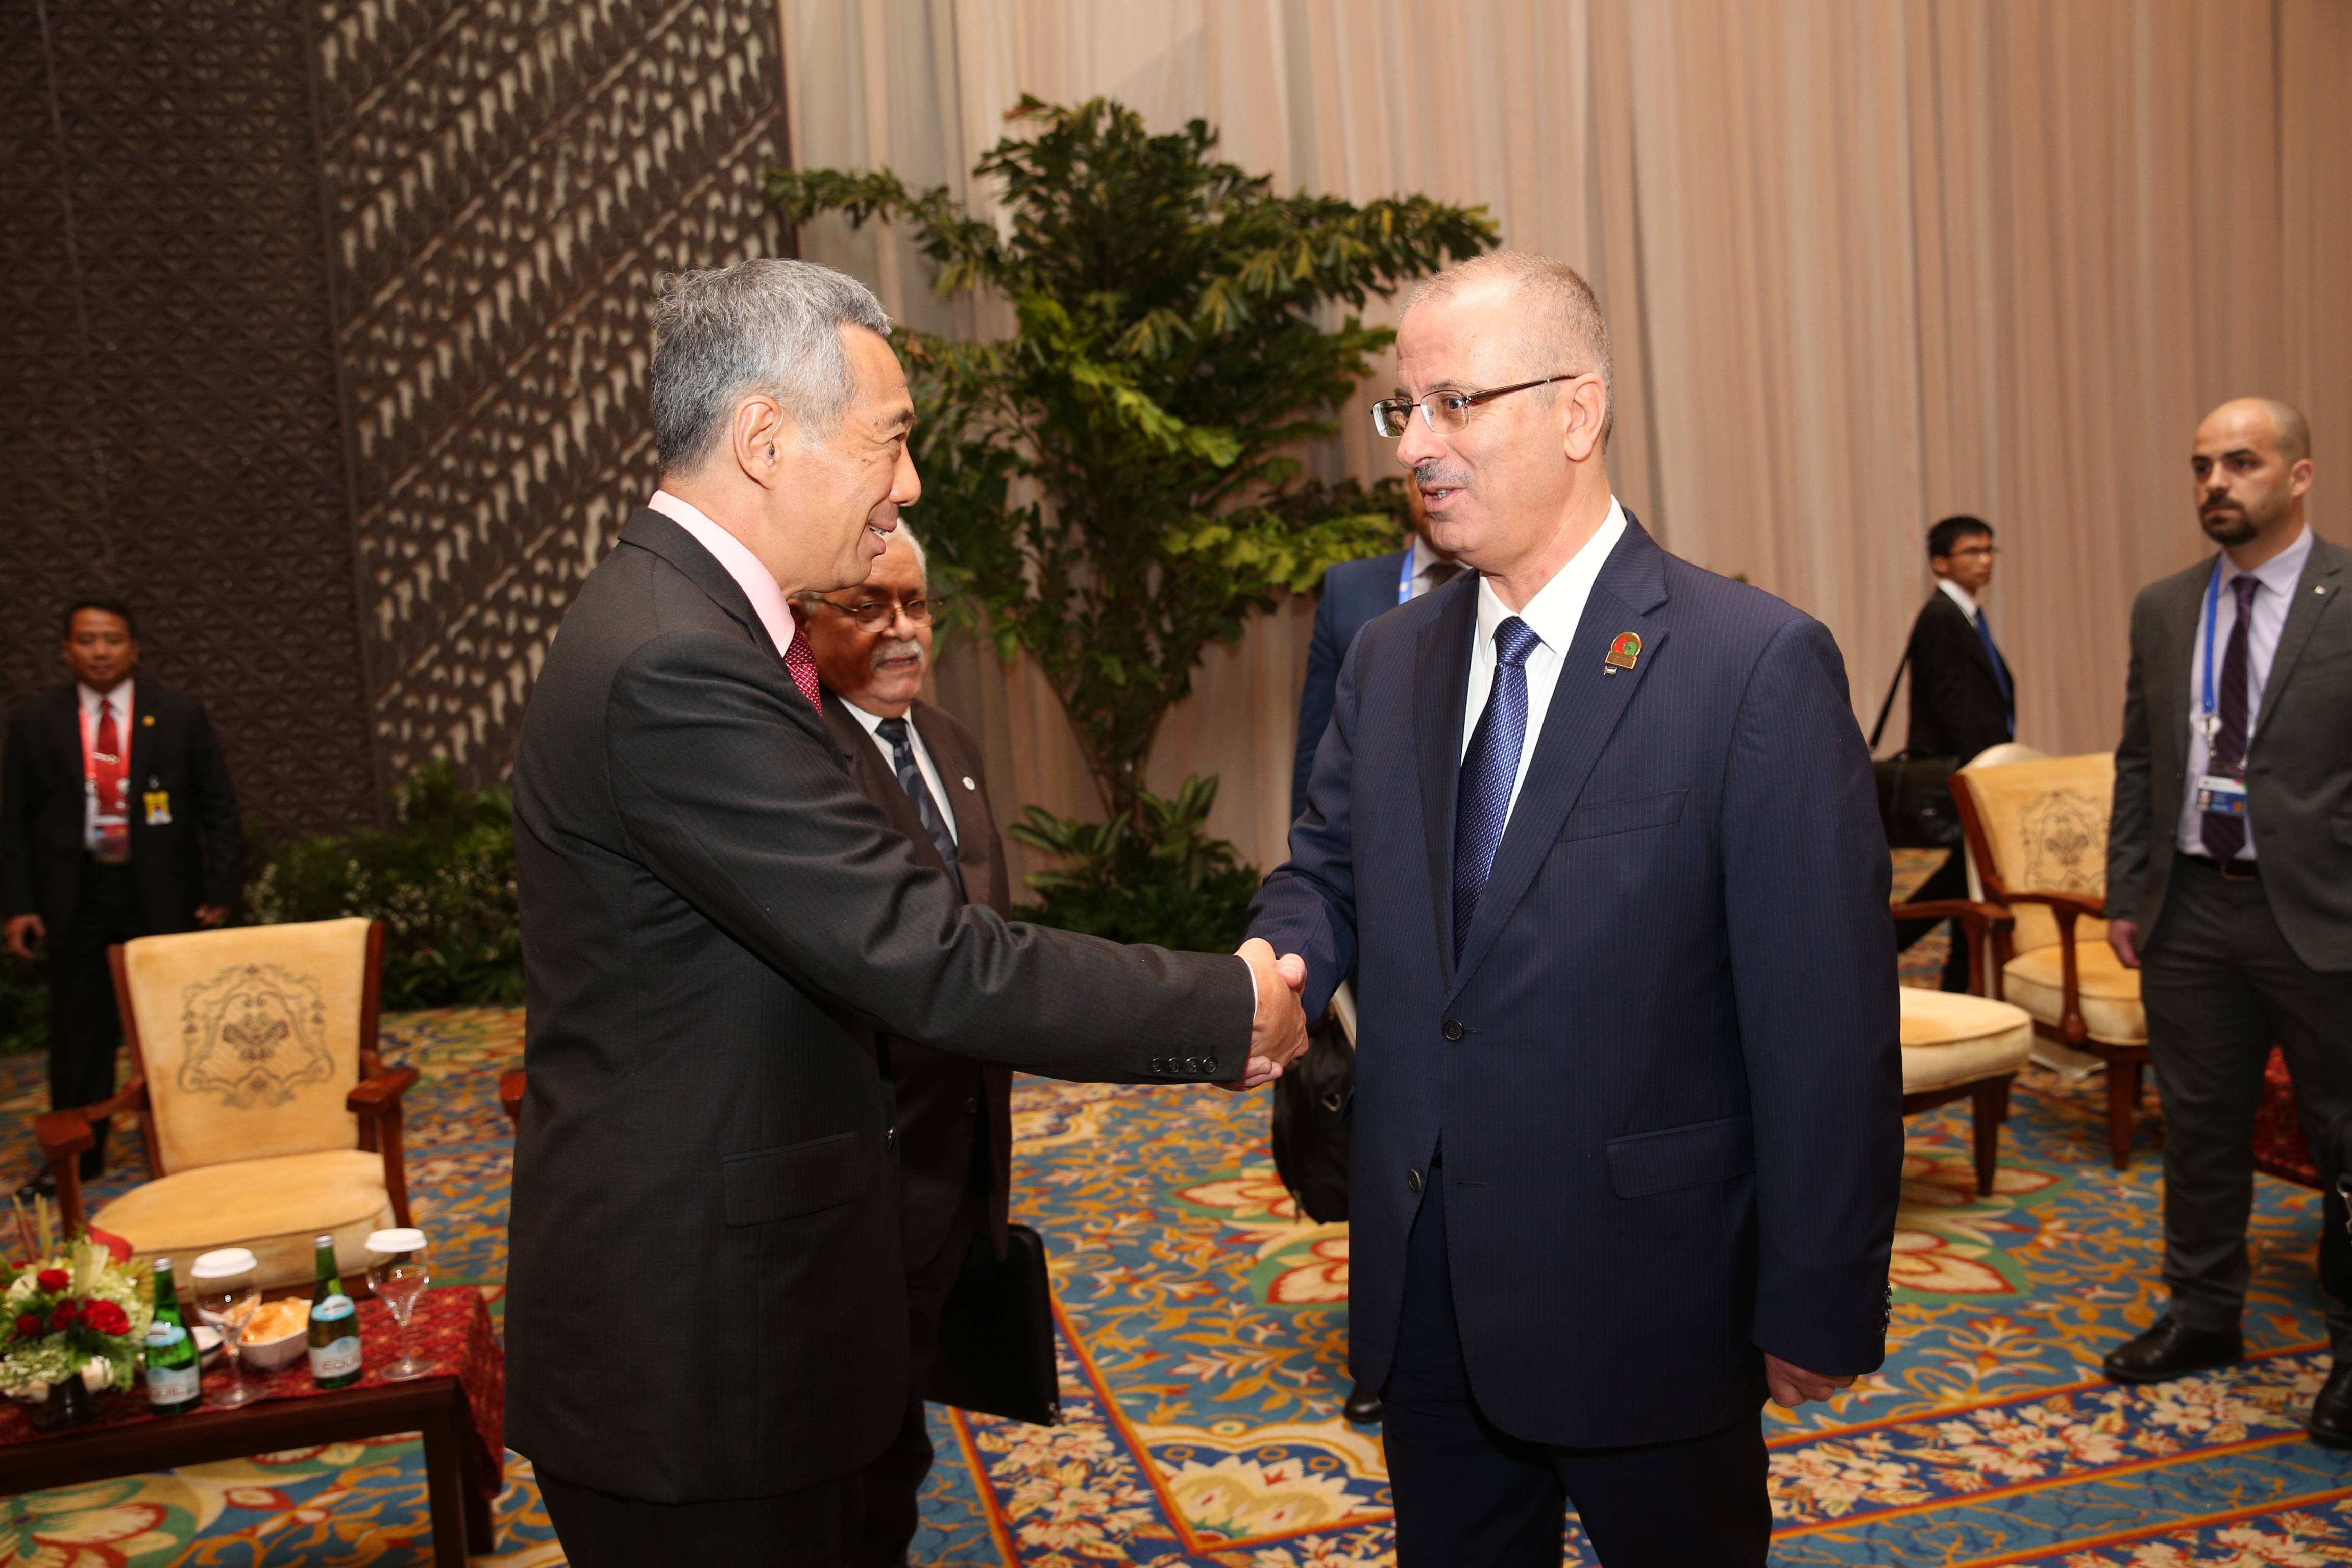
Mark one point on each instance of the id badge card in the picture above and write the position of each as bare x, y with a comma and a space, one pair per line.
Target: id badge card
2221, 797
159, 809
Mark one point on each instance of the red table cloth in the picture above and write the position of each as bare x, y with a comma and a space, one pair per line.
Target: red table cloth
450, 1335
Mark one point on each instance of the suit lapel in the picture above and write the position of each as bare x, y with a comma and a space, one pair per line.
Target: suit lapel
2315, 592
1440, 670
975, 829
1586, 704
876, 779
2173, 683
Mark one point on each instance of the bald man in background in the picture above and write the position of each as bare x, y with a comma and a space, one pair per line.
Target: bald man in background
2229, 877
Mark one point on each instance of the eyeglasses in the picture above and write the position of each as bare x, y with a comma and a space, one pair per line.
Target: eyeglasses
1446, 412
871, 613
1974, 549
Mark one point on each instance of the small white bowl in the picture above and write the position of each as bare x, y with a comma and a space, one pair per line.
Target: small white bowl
271, 1354
208, 1343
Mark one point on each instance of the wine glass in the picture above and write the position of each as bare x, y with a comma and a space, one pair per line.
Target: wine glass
398, 1270
226, 1294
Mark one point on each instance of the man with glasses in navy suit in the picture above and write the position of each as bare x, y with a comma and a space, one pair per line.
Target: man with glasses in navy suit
1594, 834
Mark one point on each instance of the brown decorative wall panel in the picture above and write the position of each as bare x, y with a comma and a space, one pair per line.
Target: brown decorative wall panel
169, 400
324, 328
508, 177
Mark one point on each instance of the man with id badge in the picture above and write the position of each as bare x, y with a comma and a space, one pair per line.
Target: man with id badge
2229, 876
117, 820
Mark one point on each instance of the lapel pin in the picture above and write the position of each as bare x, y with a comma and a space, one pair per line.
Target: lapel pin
967, 784
150, 719
1624, 653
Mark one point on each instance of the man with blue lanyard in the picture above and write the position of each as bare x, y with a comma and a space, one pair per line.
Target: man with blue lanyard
2229, 877
1354, 594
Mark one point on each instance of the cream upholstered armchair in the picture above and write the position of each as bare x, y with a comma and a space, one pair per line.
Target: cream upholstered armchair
2038, 834
268, 1116
1964, 1048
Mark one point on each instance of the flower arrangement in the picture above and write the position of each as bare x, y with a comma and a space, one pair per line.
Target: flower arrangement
76, 1307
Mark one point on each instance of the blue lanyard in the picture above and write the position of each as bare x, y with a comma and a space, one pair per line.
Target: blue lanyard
1404, 575
2212, 614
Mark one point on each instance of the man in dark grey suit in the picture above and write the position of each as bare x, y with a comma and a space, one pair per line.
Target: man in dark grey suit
706, 1324
1594, 833
2230, 875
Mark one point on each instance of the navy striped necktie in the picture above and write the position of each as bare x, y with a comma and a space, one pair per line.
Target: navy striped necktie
911, 779
1489, 768
2225, 835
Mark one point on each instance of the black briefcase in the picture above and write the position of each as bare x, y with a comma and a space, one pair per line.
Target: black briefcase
1310, 1122
996, 1334
1915, 794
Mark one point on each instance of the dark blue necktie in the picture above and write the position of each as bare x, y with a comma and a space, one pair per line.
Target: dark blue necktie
2223, 835
1483, 798
1999, 670
911, 779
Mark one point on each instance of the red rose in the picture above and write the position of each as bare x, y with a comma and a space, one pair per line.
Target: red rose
28, 1327
52, 1280
107, 1317
63, 1318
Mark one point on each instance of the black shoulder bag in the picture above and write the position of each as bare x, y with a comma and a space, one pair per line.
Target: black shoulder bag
1915, 794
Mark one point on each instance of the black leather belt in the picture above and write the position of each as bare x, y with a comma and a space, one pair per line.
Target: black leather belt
2229, 870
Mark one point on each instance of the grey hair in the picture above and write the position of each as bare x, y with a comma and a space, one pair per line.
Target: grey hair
766, 326
1564, 331
922, 557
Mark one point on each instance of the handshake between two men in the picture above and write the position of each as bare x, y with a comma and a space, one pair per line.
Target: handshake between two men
1278, 1030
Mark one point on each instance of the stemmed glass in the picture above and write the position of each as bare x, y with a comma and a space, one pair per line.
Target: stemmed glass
398, 1271
226, 1294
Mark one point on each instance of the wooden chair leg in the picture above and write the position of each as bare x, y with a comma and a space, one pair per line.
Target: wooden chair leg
1990, 1110
2123, 1108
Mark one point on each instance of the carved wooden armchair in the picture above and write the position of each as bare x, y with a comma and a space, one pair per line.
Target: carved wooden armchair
2038, 834
269, 1118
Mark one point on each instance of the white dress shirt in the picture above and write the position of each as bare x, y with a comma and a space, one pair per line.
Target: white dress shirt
1960, 596
758, 584
2279, 577
93, 701
1552, 615
1424, 561
873, 722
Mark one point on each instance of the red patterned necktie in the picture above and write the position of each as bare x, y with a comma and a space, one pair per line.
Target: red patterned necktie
109, 770
802, 665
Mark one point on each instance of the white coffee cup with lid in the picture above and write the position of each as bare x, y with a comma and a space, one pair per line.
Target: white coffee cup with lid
223, 1264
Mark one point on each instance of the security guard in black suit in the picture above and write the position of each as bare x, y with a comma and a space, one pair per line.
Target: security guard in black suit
98, 846
1962, 698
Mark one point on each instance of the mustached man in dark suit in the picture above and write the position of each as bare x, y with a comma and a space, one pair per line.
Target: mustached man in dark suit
917, 762
1594, 833
707, 1310
2229, 877
1963, 698
117, 820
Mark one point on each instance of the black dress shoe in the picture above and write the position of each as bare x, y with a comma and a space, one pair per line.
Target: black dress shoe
2331, 1412
2172, 1349
44, 1185
1364, 1406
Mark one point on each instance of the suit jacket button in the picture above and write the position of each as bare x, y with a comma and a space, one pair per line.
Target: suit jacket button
971, 1106
1208, 1066
1159, 1067
1453, 1028
1412, 1179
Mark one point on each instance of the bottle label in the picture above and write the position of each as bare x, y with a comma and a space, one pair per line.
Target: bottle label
336, 1358
163, 1335
172, 1385
332, 1308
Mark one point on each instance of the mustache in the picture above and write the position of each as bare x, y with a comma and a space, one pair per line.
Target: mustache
1434, 474
896, 648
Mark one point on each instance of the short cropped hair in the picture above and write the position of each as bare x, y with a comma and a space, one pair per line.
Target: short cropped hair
1563, 329
2292, 429
106, 602
763, 326
922, 559
1946, 536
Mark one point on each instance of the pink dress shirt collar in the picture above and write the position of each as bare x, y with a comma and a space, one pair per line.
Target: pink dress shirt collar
758, 584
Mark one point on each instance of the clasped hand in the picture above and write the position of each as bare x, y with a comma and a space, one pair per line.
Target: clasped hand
1279, 1033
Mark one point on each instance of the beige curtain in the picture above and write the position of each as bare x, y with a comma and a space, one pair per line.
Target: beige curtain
1866, 262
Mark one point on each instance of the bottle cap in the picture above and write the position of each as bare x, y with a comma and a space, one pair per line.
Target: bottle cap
162, 1266
402, 1240
322, 1241
220, 1265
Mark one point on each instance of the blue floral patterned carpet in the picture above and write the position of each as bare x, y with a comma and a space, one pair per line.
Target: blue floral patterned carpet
1203, 1368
